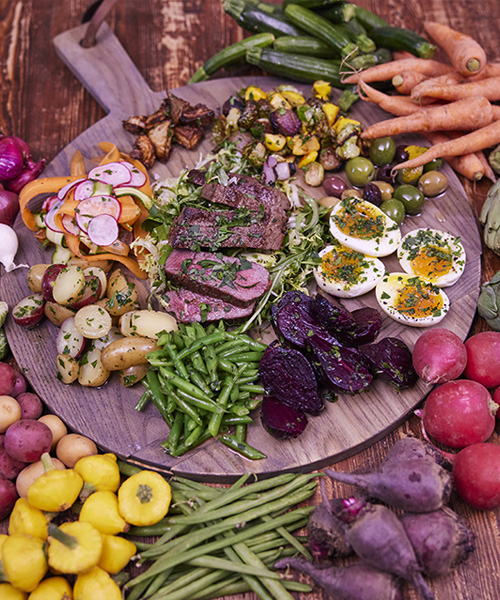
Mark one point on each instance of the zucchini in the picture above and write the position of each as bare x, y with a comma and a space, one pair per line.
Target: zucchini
369, 20
398, 38
231, 55
252, 19
304, 44
355, 27
266, 7
61, 255
362, 41
296, 66
321, 28
311, 3
341, 12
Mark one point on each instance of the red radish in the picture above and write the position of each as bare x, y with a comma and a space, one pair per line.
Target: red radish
103, 230
459, 413
476, 475
138, 177
115, 173
61, 194
96, 205
49, 202
496, 399
439, 355
69, 224
49, 217
483, 358
83, 190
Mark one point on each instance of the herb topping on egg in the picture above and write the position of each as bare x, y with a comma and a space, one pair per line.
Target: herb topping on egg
411, 300
434, 255
347, 273
362, 226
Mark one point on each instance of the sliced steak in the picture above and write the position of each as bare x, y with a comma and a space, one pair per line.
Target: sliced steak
232, 279
188, 306
197, 228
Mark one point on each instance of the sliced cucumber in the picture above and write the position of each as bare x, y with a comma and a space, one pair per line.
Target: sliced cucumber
54, 236
102, 189
131, 191
61, 255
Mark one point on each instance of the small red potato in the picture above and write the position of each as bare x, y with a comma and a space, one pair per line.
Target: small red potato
48, 279
8, 497
20, 386
27, 440
92, 292
10, 467
29, 311
31, 405
8, 377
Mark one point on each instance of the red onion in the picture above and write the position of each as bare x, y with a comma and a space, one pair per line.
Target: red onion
31, 171
269, 176
9, 207
25, 149
11, 159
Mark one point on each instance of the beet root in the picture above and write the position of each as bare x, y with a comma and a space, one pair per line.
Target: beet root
391, 361
378, 537
409, 448
281, 421
357, 581
440, 539
414, 485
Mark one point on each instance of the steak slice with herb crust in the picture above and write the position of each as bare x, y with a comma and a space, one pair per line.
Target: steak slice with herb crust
197, 228
232, 279
188, 306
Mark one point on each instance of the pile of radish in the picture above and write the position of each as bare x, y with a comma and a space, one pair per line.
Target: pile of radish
460, 411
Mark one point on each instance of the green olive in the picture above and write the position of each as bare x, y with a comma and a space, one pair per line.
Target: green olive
359, 171
350, 193
385, 188
394, 209
382, 151
433, 165
411, 197
433, 183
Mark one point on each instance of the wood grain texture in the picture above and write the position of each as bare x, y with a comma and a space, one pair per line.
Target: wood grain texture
42, 102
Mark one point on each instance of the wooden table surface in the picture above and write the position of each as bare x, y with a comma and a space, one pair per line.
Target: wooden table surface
41, 102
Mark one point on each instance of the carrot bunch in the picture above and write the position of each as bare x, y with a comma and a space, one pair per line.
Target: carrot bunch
452, 104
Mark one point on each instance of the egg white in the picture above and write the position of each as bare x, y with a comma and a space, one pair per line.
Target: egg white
374, 233
424, 245
351, 273
394, 285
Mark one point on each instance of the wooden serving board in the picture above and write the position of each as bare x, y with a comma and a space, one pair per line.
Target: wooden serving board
107, 414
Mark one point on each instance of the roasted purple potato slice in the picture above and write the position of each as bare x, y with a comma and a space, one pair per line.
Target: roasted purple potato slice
281, 421
287, 375
368, 325
343, 369
391, 360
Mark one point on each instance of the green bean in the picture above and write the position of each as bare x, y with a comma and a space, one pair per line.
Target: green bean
175, 433
158, 398
157, 582
228, 347
239, 410
240, 432
212, 363
226, 366
208, 340
178, 340
137, 591
253, 402
253, 389
212, 562
178, 364
182, 384
242, 447
230, 420
216, 419
143, 400
194, 436
183, 448
246, 357
127, 469
198, 362
189, 424
235, 393
211, 406
199, 381
291, 539
227, 588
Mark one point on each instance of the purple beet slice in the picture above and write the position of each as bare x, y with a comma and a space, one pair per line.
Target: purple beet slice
368, 325
391, 360
281, 421
336, 319
287, 375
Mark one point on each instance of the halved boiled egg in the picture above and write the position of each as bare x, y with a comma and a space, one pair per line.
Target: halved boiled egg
411, 300
434, 255
362, 226
347, 273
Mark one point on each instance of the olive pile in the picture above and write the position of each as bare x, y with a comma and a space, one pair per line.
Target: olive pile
371, 178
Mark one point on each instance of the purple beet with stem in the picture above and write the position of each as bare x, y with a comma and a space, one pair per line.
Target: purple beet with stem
357, 581
441, 540
378, 537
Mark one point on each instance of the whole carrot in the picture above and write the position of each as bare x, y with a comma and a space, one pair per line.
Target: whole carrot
488, 88
469, 165
467, 114
450, 78
471, 142
466, 55
396, 105
405, 81
386, 71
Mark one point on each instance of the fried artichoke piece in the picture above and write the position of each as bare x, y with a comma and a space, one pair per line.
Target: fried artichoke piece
174, 107
161, 137
144, 151
199, 114
188, 135
134, 124
155, 118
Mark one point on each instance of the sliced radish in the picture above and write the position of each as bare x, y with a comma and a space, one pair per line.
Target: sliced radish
96, 205
103, 230
61, 194
70, 225
115, 173
138, 177
49, 202
84, 190
49, 217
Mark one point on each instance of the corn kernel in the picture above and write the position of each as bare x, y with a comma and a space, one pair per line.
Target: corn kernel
274, 141
294, 98
343, 121
254, 93
308, 158
322, 89
331, 111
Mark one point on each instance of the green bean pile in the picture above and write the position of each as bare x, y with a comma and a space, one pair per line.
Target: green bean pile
225, 541
203, 382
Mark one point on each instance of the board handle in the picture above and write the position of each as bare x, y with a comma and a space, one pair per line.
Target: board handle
105, 69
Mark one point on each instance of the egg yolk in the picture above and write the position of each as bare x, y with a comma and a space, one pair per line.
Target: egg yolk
418, 300
432, 262
344, 265
360, 222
